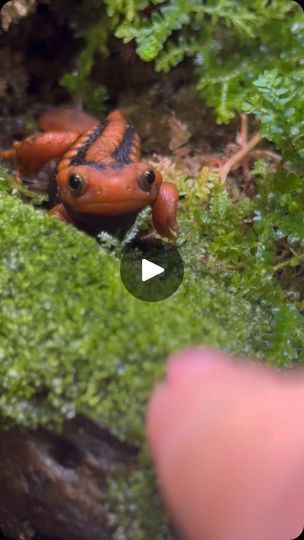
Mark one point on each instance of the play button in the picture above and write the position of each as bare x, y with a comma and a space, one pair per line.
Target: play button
151, 270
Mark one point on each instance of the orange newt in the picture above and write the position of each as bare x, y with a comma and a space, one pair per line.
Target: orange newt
99, 183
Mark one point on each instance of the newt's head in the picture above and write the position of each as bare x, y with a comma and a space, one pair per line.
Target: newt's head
108, 190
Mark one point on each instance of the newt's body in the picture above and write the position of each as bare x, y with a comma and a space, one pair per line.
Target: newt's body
99, 181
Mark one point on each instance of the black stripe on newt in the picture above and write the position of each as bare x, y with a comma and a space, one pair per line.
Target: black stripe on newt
79, 159
53, 190
96, 165
121, 155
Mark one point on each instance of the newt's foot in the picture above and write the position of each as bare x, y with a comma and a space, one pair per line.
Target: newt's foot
164, 211
8, 154
60, 212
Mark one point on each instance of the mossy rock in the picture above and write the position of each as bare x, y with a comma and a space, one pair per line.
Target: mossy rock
74, 340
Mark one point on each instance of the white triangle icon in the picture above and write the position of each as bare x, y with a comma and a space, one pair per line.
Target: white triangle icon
150, 270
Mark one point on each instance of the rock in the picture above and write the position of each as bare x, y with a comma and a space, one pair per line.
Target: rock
53, 486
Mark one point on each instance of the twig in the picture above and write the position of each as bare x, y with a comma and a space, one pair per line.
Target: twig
273, 156
293, 261
239, 156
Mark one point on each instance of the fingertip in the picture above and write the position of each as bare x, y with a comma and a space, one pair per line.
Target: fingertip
198, 361
171, 401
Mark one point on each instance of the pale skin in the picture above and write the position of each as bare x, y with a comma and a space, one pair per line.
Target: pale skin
227, 440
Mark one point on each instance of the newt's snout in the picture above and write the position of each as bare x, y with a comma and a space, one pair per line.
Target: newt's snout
108, 191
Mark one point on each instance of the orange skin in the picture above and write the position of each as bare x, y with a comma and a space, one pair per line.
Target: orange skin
99, 181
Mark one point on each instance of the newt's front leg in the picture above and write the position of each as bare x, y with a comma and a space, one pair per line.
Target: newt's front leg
35, 151
60, 212
164, 210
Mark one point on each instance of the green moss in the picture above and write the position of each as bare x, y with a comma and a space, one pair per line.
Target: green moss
255, 247
136, 508
73, 339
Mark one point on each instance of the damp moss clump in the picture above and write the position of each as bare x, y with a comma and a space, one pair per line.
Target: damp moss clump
74, 340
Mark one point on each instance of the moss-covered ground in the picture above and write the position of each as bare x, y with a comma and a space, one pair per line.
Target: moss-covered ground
73, 340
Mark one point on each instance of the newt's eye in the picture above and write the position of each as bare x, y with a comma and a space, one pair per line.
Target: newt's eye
147, 180
77, 184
